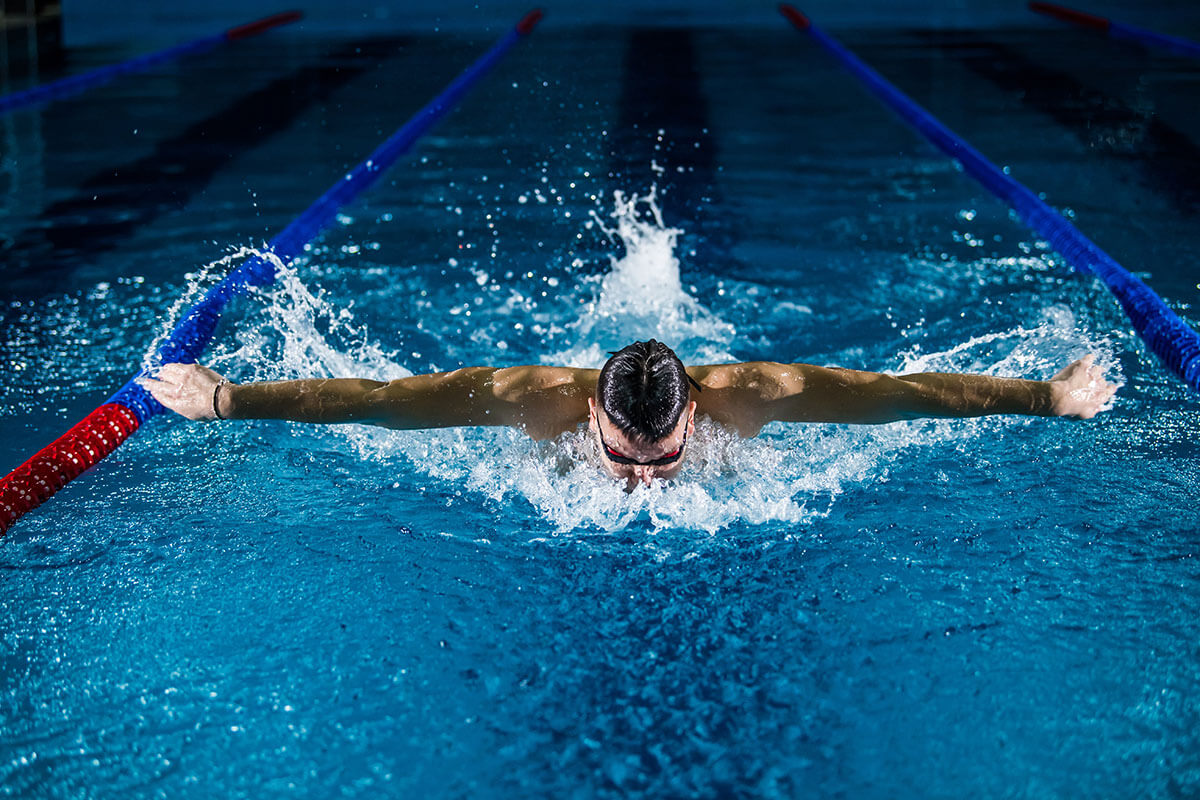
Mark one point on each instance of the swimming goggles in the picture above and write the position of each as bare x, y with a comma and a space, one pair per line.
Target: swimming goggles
617, 458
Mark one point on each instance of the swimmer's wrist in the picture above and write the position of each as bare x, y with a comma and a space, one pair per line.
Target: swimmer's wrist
1056, 394
224, 404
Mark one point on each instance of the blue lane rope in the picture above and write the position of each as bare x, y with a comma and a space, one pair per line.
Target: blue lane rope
65, 87
1175, 44
1119, 30
195, 329
1164, 332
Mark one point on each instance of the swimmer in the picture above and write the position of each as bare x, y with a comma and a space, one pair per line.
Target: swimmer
641, 406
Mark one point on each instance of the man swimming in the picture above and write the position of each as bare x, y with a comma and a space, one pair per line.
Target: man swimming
641, 406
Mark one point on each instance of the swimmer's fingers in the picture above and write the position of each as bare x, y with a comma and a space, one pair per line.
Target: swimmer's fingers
187, 374
1101, 390
1082, 365
172, 373
1081, 390
186, 389
165, 392
1089, 401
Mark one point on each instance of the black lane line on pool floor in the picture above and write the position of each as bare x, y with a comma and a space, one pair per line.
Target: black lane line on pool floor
110, 206
661, 90
1168, 160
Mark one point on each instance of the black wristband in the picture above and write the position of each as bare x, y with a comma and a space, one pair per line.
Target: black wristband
216, 391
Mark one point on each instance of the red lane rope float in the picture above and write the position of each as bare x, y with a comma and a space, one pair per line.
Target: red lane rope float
52, 467
56, 90
1119, 30
529, 21
258, 26
1081, 18
795, 17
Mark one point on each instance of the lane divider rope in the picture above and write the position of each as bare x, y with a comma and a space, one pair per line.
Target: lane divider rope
1119, 30
1165, 333
56, 90
106, 428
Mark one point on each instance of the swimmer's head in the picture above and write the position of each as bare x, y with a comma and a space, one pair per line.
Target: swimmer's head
643, 389
642, 412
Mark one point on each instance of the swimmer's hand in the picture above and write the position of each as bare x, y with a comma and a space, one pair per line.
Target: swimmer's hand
1080, 390
188, 389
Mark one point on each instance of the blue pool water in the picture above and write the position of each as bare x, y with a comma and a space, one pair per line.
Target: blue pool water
1000, 607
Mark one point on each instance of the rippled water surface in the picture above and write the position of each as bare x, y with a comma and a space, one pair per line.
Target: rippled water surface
994, 607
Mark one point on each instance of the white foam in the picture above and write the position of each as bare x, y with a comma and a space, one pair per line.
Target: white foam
302, 333
642, 296
1031, 352
198, 283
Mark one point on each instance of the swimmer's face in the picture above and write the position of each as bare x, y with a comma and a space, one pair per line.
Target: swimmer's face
613, 443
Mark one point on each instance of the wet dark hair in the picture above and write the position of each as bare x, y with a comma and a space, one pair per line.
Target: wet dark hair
643, 389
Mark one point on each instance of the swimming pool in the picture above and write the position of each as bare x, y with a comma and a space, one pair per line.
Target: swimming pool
999, 607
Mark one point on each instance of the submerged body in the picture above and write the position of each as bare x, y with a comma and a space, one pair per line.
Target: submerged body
545, 401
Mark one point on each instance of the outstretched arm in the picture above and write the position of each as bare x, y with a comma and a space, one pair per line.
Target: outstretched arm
543, 401
747, 396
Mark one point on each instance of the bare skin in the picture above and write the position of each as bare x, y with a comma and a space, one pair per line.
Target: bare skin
545, 401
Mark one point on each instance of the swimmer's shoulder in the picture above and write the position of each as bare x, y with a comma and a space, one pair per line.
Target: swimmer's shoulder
768, 379
545, 401
512, 383
741, 396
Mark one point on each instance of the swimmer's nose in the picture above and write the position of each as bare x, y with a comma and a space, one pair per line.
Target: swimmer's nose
644, 474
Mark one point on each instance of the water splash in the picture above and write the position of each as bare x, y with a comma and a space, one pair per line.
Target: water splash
302, 333
642, 295
197, 284
1032, 352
